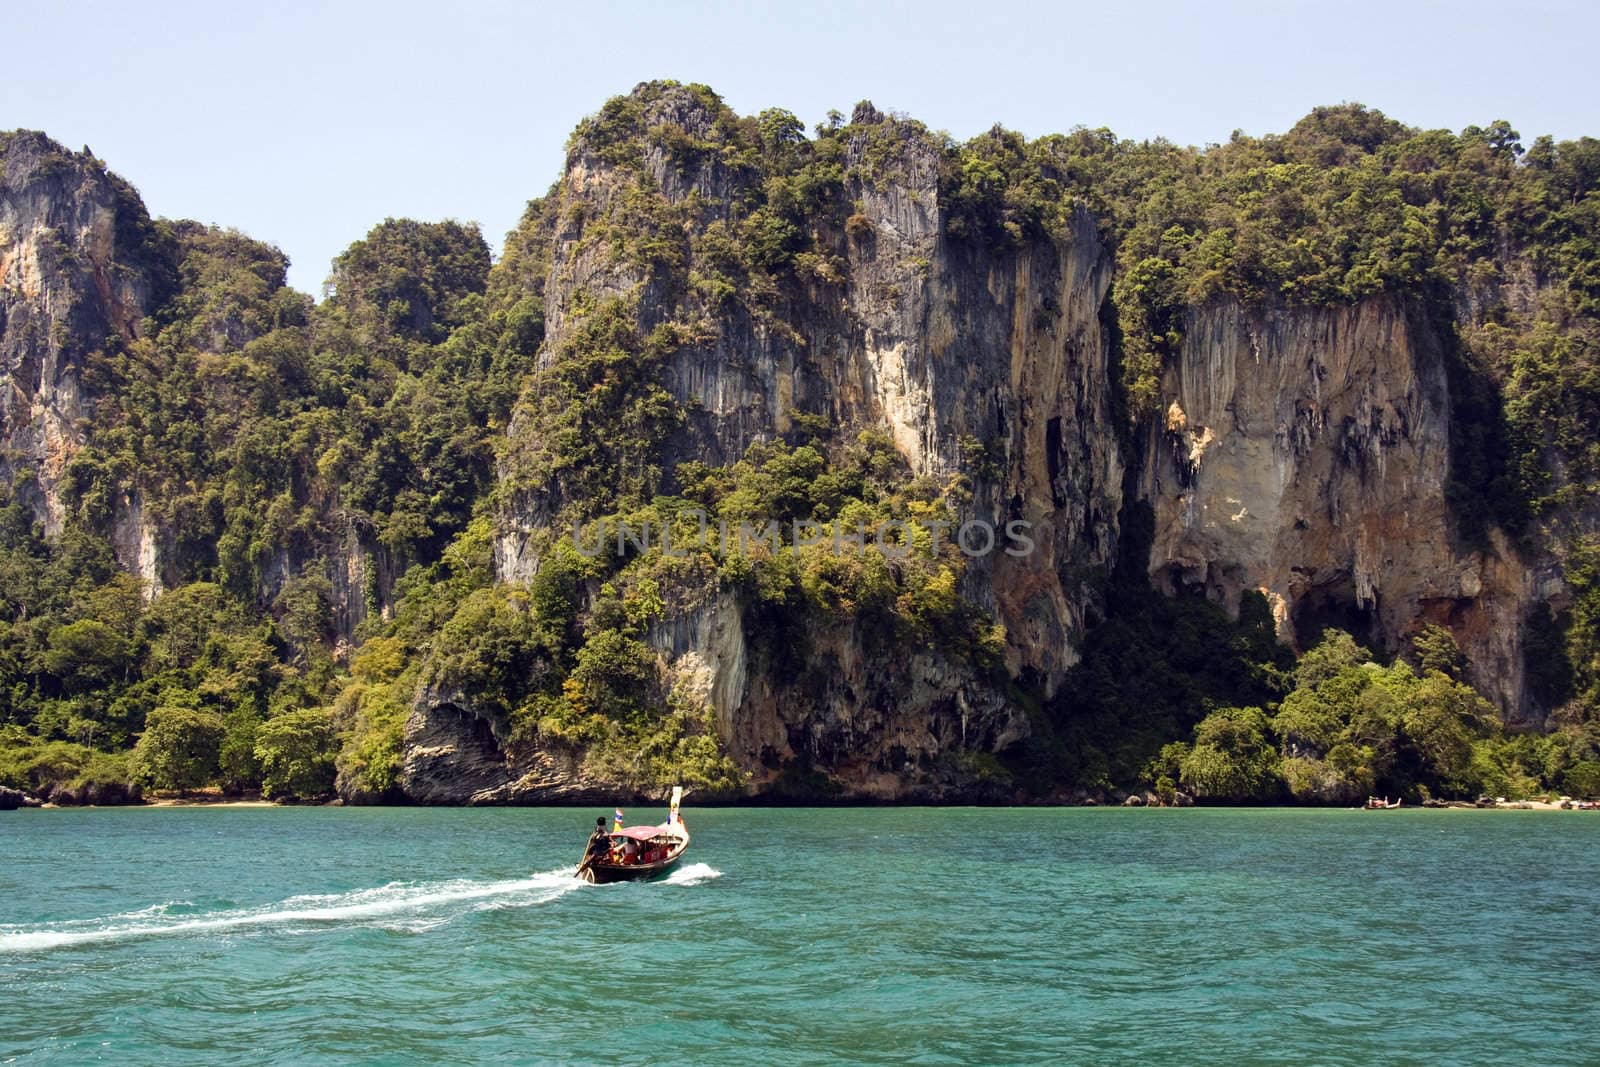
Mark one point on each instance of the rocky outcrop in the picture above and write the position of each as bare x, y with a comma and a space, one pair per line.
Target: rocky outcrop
937, 340
884, 726
75, 281
1305, 453
452, 754
874, 725
99, 794
12, 799
941, 341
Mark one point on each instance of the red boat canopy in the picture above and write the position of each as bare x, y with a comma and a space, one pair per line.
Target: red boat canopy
644, 833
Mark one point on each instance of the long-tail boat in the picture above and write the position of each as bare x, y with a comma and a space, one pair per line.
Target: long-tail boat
636, 853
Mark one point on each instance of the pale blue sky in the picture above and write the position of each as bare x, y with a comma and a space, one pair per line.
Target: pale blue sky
305, 126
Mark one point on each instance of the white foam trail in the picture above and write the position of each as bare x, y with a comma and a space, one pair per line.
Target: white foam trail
693, 874
392, 900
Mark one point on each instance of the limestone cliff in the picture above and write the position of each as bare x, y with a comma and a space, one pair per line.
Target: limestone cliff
76, 278
938, 340
1305, 453
706, 304
95, 296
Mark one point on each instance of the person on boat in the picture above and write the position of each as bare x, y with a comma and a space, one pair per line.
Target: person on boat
630, 850
599, 844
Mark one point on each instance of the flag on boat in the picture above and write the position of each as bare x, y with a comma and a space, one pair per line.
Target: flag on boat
618, 817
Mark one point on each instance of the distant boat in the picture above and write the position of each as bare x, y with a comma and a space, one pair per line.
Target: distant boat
636, 853
1374, 804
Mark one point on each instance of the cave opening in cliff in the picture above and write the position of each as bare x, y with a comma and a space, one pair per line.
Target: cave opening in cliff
1333, 606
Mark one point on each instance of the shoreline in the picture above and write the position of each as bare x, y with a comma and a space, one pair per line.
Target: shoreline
1454, 805
175, 802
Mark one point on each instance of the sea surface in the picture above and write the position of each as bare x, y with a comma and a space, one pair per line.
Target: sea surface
865, 935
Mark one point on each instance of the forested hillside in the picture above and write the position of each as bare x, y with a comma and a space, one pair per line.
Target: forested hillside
254, 541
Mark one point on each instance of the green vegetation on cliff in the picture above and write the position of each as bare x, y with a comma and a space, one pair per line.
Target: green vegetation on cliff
322, 480
263, 437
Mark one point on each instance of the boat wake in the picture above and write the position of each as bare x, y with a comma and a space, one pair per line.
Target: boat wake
693, 874
401, 906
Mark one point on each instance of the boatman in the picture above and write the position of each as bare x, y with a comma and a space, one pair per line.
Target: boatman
597, 840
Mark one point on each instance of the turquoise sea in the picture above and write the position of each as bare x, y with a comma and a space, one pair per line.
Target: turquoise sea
881, 935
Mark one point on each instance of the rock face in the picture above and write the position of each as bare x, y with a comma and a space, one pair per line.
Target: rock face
934, 339
74, 280
884, 726
452, 754
937, 340
455, 754
1305, 454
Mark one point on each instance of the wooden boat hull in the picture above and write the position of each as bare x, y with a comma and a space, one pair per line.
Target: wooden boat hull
604, 873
